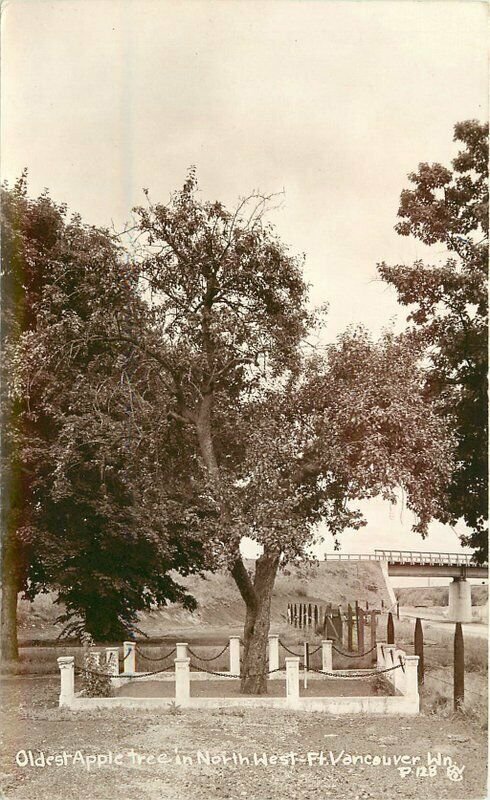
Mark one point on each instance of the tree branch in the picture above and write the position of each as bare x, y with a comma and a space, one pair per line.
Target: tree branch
244, 584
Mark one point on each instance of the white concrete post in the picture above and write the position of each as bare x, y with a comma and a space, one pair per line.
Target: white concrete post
380, 659
390, 662
112, 659
182, 681
181, 648
129, 656
273, 651
327, 655
67, 675
398, 674
292, 681
411, 680
235, 655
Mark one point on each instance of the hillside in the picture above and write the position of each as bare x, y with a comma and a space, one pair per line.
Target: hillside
437, 595
220, 605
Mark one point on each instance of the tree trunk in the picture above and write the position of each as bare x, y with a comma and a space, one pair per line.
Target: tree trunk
9, 648
257, 622
257, 595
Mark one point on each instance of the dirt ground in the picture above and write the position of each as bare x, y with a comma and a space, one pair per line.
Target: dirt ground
230, 753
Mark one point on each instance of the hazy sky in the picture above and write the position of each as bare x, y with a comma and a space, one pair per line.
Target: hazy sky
332, 102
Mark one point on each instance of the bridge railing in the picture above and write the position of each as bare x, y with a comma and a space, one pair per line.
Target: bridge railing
409, 557
352, 557
427, 558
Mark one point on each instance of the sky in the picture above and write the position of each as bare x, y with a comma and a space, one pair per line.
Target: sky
331, 104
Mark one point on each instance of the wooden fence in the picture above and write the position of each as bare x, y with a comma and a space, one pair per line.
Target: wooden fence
353, 627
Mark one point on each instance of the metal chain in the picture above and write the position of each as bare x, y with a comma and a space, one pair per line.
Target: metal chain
353, 674
341, 676
312, 652
212, 672
290, 651
231, 675
353, 655
214, 658
149, 658
122, 675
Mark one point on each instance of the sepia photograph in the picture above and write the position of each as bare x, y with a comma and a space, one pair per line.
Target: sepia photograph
243, 389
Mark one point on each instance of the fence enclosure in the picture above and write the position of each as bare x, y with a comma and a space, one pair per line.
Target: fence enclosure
399, 670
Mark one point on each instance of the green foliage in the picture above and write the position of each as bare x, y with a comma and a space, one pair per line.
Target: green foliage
353, 424
165, 408
449, 312
94, 508
287, 441
96, 679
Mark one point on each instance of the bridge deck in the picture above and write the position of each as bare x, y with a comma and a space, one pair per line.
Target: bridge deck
409, 562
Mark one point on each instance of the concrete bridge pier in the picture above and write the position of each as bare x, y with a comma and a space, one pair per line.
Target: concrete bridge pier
459, 600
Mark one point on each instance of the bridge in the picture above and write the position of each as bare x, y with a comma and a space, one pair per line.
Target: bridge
451, 565
413, 563
408, 563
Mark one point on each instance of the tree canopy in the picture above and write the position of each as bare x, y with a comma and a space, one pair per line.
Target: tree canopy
449, 311
93, 506
284, 440
172, 400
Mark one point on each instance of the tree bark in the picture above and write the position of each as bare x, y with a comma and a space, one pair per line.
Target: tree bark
205, 436
257, 623
257, 595
9, 647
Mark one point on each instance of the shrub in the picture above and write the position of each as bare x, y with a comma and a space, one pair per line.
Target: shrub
439, 704
96, 678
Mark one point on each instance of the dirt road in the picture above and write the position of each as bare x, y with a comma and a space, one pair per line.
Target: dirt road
435, 619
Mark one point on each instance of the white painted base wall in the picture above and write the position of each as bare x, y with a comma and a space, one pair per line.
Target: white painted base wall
330, 705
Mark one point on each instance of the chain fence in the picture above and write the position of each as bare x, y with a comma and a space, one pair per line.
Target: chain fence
236, 677
291, 652
338, 674
130, 677
150, 658
213, 658
353, 655
354, 674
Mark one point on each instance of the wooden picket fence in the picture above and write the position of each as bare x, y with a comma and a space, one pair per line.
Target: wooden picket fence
346, 627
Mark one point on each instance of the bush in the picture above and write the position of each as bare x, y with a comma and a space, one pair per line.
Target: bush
439, 704
96, 678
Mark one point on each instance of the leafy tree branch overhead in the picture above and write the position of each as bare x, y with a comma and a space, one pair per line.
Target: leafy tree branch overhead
448, 305
166, 398
284, 441
89, 506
